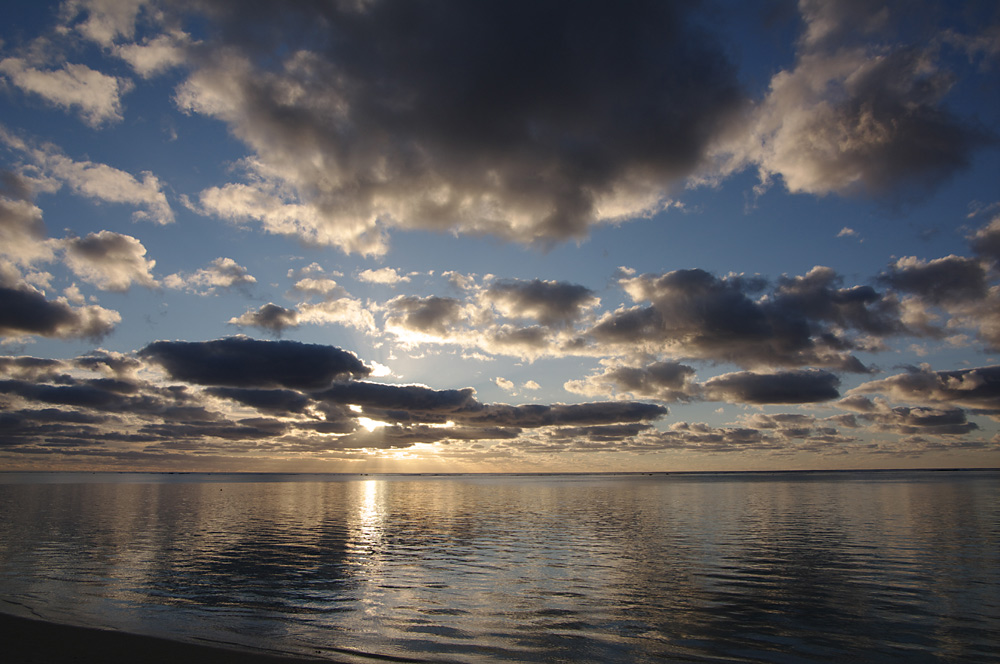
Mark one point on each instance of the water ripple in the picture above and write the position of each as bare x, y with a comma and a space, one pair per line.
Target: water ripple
896, 568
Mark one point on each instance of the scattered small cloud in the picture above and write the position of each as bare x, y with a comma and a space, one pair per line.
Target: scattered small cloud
222, 273
386, 276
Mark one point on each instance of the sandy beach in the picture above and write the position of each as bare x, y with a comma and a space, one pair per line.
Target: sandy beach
42, 642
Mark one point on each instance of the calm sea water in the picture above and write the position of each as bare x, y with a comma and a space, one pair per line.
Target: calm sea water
784, 567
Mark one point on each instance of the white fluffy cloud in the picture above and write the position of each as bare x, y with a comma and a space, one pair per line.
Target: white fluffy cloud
102, 21
155, 55
95, 96
386, 275
221, 273
95, 180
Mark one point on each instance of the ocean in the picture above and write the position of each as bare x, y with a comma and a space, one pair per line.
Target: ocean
900, 566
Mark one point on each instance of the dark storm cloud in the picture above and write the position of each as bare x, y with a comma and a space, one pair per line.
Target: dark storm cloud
528, 120
244, 362
939, 281
782, 387
25, 311
553, 303
804, 321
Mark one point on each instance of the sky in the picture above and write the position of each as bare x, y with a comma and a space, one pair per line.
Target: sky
518, 236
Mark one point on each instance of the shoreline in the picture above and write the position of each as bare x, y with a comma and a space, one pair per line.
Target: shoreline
33, 641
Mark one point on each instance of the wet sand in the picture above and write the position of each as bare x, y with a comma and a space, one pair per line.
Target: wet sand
41, 642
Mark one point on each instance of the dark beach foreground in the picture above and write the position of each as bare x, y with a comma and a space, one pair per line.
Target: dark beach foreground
27, 640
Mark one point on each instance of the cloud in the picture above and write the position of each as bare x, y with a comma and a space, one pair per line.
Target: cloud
781, 387
963, 288
110, 261
31, 368
95, 180
804, 321
662, 381
155, 54
851, 117
940, 280
275, 319
244, 362
22, 232
303, 401
700, 437
25, 311
285, 400
264, 202
385, 275
977, 389
401, 403
96, 96
674, 382
342, 311
986, 241
102, 21
551, 303
221, 273
417, 116
582, 414
431, 316
509, 386
504, 384
278, 402
318, 286
922, 420
810, 320
880, 417
269, 317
